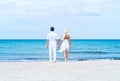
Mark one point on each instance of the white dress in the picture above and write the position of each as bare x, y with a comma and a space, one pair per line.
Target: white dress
64, 45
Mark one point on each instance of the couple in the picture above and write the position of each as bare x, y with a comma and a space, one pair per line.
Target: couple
52, 39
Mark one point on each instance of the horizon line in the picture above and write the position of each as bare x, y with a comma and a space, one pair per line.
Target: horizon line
59, 39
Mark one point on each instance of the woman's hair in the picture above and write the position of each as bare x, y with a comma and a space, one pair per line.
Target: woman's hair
64, 34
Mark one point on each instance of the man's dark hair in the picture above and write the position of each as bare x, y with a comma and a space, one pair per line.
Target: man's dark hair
52, 28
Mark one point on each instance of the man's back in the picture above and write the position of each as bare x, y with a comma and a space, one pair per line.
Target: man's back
52, 37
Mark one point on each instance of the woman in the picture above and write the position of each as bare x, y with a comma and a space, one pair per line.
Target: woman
65, 44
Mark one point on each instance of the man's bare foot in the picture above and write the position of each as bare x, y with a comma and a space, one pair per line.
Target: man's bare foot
54, 61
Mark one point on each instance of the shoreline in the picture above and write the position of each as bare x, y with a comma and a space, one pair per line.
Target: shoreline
100, 70
60, 60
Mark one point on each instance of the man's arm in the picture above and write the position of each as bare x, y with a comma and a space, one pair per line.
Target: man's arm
60, 42
57, 40
47, 43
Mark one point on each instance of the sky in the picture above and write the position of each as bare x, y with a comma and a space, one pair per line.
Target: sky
83, 19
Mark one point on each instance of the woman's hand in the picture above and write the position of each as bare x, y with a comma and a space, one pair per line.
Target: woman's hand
59, 45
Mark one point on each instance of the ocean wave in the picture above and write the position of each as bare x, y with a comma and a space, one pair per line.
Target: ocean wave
117, 46
102, 58
92, 52
23, 59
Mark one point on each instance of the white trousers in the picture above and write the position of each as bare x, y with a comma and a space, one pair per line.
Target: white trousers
52, 52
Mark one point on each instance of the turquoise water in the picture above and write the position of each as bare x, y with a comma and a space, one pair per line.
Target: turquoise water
35, 50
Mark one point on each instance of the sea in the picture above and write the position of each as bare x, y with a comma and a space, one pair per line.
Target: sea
22, 50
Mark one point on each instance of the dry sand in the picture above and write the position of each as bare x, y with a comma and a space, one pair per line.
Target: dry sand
103, 70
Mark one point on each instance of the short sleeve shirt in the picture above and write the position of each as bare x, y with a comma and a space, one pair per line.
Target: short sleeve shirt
52, 36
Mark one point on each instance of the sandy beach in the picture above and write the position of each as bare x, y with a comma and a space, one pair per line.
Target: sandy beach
102, 70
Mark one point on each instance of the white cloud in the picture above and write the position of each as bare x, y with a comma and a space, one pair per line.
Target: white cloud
95, 1
88, 7
85, 11
24, 8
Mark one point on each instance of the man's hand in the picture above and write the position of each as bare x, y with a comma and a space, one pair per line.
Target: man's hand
58, 46
46, 46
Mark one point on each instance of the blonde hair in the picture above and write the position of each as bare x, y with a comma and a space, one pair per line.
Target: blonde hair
64, 34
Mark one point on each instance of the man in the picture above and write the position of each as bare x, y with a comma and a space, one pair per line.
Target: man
51, 41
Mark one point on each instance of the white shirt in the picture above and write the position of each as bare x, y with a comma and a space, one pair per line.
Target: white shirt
52, 36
